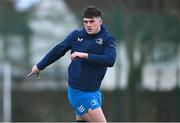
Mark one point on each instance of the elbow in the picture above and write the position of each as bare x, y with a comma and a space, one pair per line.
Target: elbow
112, 59
111, 62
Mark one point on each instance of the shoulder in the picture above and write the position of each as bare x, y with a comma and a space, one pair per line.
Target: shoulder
108, 37
106, 34
77, 33
73, 34
81, 32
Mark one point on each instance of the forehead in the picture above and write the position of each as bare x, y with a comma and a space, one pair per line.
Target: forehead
94, 18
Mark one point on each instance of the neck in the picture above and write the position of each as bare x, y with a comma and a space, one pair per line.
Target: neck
99, 29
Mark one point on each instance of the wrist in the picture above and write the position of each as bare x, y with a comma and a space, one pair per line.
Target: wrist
37, 67
86, 55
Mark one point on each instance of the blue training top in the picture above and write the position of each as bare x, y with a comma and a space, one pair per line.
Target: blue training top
85, 74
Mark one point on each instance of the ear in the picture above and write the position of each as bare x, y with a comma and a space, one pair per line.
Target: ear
101, 21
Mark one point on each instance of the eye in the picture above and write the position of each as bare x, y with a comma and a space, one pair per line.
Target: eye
85, 22
91, 21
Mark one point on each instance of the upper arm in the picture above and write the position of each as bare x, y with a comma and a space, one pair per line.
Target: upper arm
110, 47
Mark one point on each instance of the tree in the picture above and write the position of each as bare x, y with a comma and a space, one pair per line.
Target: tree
144, 30
14, 23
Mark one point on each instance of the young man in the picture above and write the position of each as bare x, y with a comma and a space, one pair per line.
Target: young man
92, 51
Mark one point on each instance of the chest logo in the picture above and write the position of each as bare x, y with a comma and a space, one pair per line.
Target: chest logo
99, 41
79, 39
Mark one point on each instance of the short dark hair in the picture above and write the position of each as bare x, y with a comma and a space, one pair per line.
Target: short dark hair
92, 11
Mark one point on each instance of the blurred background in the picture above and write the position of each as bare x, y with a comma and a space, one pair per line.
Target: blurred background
144, 84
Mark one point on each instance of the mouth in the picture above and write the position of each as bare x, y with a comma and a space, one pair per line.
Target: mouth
89, 29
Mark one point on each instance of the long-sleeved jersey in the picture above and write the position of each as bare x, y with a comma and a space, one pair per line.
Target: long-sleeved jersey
85, 74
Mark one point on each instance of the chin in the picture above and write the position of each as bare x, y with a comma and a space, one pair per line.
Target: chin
91, 32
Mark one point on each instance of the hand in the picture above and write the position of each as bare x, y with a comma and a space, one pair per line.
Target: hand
34, 70
76, 55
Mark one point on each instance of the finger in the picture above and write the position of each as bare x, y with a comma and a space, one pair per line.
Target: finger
73, 56
37, 74
30, 74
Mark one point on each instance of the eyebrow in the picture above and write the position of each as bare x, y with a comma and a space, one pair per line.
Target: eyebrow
90, 21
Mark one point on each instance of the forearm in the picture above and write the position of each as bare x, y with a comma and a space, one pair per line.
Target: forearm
57, 52
47, 60
106, 60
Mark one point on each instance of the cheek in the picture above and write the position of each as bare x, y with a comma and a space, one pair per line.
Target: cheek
85, 26
96, 25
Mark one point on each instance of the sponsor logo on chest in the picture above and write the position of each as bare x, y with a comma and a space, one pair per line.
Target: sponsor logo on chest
79, 39
99, 41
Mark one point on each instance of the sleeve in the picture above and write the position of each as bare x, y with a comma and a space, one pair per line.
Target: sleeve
109, 55
57, 52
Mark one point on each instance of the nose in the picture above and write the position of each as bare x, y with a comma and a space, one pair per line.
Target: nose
88, 23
